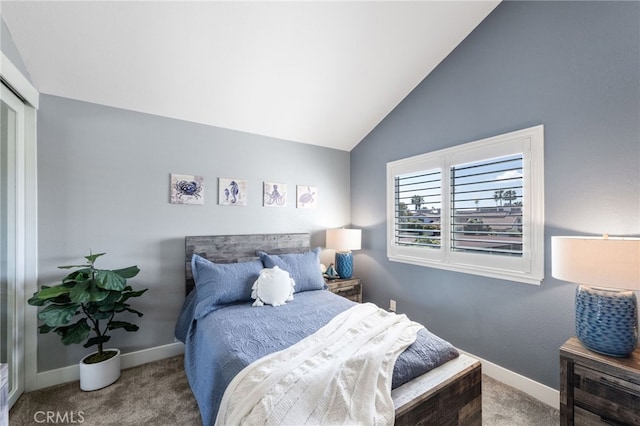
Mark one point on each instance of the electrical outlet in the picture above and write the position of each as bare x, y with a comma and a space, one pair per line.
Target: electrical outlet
392, 305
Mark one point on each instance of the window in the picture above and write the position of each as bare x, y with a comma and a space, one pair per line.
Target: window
419, 226
476, 208
493, 229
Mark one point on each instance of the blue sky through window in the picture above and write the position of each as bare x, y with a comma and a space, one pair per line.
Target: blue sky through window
476, 185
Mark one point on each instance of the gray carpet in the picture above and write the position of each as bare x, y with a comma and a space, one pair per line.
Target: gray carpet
158, 394
505, 406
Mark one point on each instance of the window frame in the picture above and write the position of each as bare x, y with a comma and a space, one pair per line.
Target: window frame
529, 268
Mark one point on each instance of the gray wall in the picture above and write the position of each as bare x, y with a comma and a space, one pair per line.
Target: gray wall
572, 66
103, 183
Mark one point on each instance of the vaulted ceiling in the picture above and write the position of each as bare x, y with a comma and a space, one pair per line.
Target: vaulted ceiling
323, 73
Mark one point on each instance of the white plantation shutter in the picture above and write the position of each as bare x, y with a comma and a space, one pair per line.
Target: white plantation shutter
418, 209
496, 228
476, 208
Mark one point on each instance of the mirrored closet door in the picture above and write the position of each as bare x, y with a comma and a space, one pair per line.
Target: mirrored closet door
12, 250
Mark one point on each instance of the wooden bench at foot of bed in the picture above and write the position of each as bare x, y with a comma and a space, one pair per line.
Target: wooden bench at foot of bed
448, 395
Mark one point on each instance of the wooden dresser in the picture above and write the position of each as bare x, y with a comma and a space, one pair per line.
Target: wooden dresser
351, 288
596, 389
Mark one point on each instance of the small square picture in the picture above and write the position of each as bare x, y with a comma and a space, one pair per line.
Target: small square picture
275, 194
306, 197
232, 192
186, 189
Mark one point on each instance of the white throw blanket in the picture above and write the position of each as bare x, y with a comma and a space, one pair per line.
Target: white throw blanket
339, 375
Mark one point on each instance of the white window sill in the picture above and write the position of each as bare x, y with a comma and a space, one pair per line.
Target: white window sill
472, 269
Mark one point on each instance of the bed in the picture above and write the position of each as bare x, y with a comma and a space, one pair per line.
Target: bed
221, 340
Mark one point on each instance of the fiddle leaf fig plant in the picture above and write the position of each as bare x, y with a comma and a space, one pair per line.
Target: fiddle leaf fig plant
97, 295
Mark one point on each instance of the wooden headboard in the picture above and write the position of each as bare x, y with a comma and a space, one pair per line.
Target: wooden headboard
240, 248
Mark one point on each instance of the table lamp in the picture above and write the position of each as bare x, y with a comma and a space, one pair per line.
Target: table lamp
343, 241
607, 271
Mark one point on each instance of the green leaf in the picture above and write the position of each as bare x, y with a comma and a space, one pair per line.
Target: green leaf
127, 273
72, 266
63, 299
59, 300
79, 275
87, 292
92, 257
122, 324
75, 333
119, 307
52, 292
96, 341
44, 328
109, 280
128, 295
101, 315
133, 311
91, 308
113, 297
80, 292
35, 300
107, 307
57, 315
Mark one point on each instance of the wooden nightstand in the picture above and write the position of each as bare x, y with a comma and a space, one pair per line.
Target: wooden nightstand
597, 389
350, 288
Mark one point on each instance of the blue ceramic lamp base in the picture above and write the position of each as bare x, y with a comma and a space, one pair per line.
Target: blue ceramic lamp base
607, 320
344, 264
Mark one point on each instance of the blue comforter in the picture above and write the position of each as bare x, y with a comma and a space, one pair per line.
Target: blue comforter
221, 344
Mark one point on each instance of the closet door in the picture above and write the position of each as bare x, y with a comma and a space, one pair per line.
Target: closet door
12, 239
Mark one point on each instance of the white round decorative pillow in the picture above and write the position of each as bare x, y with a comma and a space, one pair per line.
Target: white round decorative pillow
273, 287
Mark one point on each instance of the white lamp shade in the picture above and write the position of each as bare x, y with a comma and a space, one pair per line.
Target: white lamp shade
344, 239
604, 262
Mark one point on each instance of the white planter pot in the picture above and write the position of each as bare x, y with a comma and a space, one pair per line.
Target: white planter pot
99, 375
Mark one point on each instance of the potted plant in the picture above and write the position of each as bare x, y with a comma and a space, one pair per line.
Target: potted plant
96, 295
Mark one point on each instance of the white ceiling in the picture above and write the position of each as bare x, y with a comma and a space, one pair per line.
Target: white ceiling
323, 73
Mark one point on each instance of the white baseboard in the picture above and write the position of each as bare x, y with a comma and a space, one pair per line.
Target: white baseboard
132, 359
532, 388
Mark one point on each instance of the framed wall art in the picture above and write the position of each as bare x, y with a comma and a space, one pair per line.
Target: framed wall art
274, 194
232, 192
306, 196
186, 189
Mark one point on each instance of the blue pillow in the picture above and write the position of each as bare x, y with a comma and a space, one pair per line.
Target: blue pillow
304, 268
222, 283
